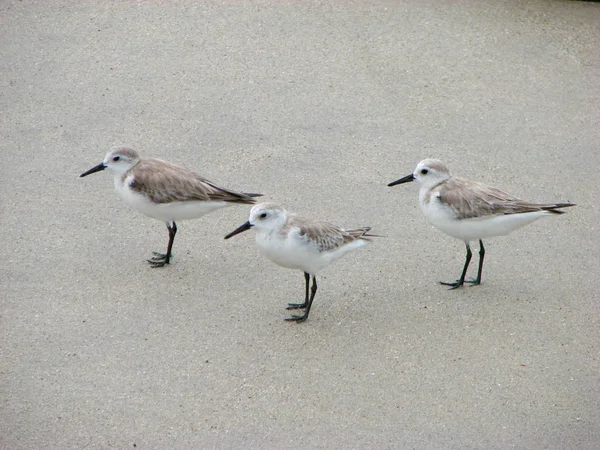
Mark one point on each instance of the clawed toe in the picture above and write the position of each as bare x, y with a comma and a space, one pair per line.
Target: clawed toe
296, 318
296, 305
155, 264
159, 259
459, 283
453, 285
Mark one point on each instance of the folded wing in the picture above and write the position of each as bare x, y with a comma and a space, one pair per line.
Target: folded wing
326, 236
163, 182
470, 199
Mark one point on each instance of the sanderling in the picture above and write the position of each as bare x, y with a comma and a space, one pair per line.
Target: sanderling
165, 191
297, 243
468, 210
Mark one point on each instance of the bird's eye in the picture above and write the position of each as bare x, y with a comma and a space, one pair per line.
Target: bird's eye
116, 158
424, 171
263, 216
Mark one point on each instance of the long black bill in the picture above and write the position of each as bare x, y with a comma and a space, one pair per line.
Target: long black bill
94, 169
405, 179
239, 229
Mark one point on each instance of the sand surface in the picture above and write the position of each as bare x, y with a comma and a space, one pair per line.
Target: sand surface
318, 105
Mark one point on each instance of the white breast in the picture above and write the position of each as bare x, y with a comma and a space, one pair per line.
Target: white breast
285, 250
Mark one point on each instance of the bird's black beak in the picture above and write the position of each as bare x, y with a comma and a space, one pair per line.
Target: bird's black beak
239, 229
97, 168
405, 179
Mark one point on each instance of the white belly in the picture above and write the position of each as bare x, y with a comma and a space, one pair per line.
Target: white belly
443, 218
166, 212
296, 253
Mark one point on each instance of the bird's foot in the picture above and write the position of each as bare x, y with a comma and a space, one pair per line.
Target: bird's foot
155, 264
456, 284
296, 318
296, 305
473, 282
159, 260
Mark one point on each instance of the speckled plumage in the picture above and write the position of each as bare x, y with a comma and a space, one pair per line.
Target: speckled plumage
324, 235
294, 242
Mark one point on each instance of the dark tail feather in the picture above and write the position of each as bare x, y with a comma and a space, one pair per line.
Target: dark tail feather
555, 208
367, 236
250, 194
363, 233
243, 198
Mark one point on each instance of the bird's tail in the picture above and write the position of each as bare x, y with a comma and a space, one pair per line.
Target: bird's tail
362, 233
244, 198
555, 208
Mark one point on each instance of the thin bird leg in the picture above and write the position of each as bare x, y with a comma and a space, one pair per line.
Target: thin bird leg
160, 259
301, 305
461, 281
477, 280
313, 291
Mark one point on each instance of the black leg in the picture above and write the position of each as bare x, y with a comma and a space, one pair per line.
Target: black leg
477, 280
301, 305
461, 281
160, 259
313, 291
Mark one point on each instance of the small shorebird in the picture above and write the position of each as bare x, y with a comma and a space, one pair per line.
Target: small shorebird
165, 191
468, 210
297, 243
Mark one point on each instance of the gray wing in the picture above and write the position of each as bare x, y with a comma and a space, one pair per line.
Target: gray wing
163, 182
326, 236
470, 199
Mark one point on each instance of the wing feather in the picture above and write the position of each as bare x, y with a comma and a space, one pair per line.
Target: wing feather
326, 236
164, 182
470, 199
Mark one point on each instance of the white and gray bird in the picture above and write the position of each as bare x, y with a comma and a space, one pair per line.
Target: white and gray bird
469, 210
297, 243
165, 191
